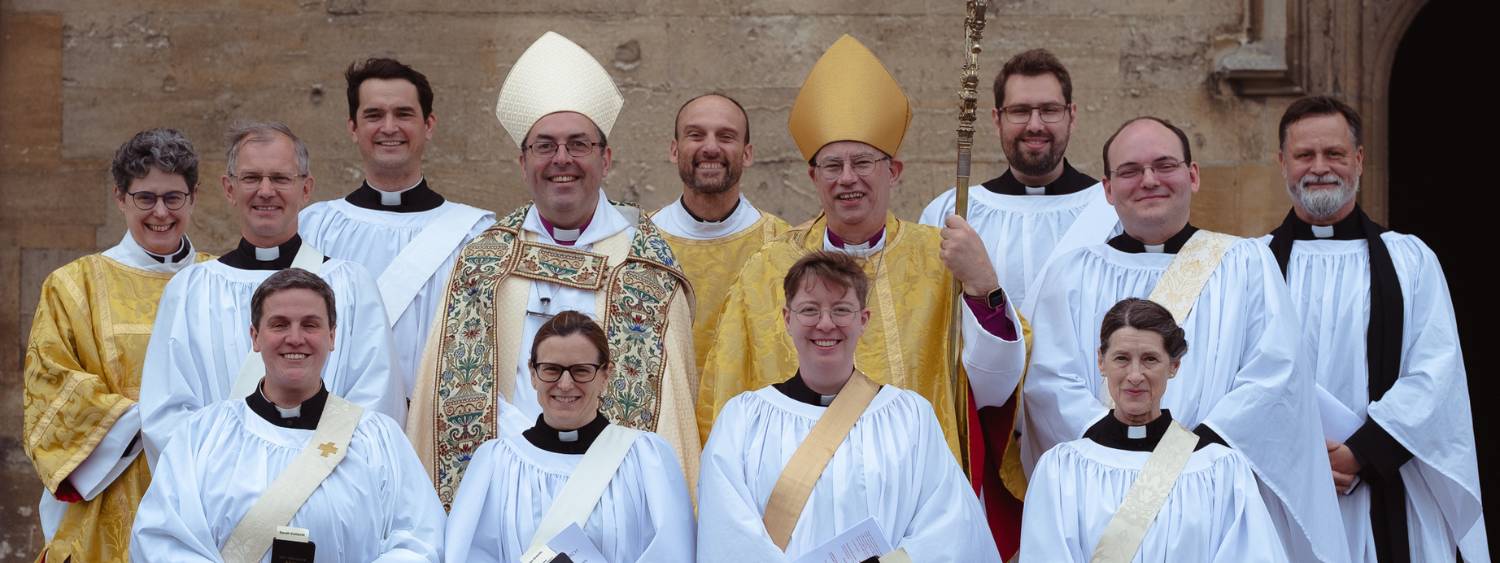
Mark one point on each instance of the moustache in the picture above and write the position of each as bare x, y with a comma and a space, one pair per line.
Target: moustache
1329, 178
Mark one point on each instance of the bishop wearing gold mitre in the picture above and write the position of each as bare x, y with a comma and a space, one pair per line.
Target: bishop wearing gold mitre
849, 120
569, 249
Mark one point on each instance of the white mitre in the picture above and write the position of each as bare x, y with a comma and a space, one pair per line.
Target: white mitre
553, 75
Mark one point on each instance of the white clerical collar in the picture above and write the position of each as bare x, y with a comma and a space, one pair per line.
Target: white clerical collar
567, 435
393, 199
131, 253
677, 221
1322, 231
826, 400
860, 250
267, 254
1036, 190
606, 222
1135, 432
294, 412
1155, 249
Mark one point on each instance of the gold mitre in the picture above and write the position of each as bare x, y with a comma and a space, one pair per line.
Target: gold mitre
553, 75
849, 96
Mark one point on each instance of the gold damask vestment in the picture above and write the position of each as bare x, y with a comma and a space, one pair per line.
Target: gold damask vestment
711, 266
905, 344
83, 371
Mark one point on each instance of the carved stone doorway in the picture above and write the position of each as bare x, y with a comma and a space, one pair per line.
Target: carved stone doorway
1438, 175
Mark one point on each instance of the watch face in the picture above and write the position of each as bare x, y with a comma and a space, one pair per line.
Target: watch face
997, 298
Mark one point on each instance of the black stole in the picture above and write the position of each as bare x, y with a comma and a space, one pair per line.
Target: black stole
1382, 360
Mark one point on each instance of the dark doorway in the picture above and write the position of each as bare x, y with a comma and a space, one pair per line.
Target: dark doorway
1440, 175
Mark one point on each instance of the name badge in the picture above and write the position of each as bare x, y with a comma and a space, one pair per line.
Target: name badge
292, 545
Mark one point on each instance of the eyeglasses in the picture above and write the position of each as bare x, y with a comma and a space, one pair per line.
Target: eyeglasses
146, 201
551, 373
863, 166
841, 315
1162, 167
1020, 114
253, 180
575, 147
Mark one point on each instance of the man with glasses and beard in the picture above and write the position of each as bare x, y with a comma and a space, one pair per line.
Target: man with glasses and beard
1037, 203
1040, 207
712, 228
1380, 341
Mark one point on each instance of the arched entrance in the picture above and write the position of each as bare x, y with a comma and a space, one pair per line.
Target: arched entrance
1438, 179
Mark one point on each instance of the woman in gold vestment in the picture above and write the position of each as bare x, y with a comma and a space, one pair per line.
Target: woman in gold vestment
88, 340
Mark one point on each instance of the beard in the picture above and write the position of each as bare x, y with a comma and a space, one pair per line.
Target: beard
729, 179
1032, 164
1323, 203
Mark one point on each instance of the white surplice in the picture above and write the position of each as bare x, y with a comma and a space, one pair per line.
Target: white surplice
893, 466
546, 299
1214, 512
675, 220
645, 514
373, 239
1237, 376
202, 334
1426, 410
1021, 231
377, 505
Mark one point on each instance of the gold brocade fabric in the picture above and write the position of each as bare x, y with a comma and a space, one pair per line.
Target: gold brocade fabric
83, 370
711, 266
644, 304
905, 344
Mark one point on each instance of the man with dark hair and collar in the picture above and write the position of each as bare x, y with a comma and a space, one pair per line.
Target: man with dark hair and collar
1238, 387
395, 225
199, 351
1380, 341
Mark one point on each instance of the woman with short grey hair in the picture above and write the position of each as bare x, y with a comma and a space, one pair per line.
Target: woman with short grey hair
83, 362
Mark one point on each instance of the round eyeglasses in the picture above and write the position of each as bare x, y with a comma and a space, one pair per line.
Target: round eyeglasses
146, 201
841, 315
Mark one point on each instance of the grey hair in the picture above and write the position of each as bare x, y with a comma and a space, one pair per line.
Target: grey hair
167, 150
262, 131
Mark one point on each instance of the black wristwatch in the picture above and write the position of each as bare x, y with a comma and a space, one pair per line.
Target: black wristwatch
996, 298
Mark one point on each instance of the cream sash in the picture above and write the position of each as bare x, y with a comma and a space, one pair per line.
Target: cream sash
802, 471
253, 367
1179, 286
1122, 537
580, 494
421, 257
285, 496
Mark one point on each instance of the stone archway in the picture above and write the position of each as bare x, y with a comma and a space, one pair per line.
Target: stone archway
1437, 175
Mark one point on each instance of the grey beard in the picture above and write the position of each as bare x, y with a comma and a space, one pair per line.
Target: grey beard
1322, 204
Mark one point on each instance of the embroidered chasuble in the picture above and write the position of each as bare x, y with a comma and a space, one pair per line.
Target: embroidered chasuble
465, 388
83, 374
712, 266
911, 299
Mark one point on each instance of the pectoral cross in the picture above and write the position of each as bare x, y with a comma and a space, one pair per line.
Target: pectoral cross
328, 449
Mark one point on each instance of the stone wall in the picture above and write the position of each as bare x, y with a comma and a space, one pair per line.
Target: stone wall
78, 78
